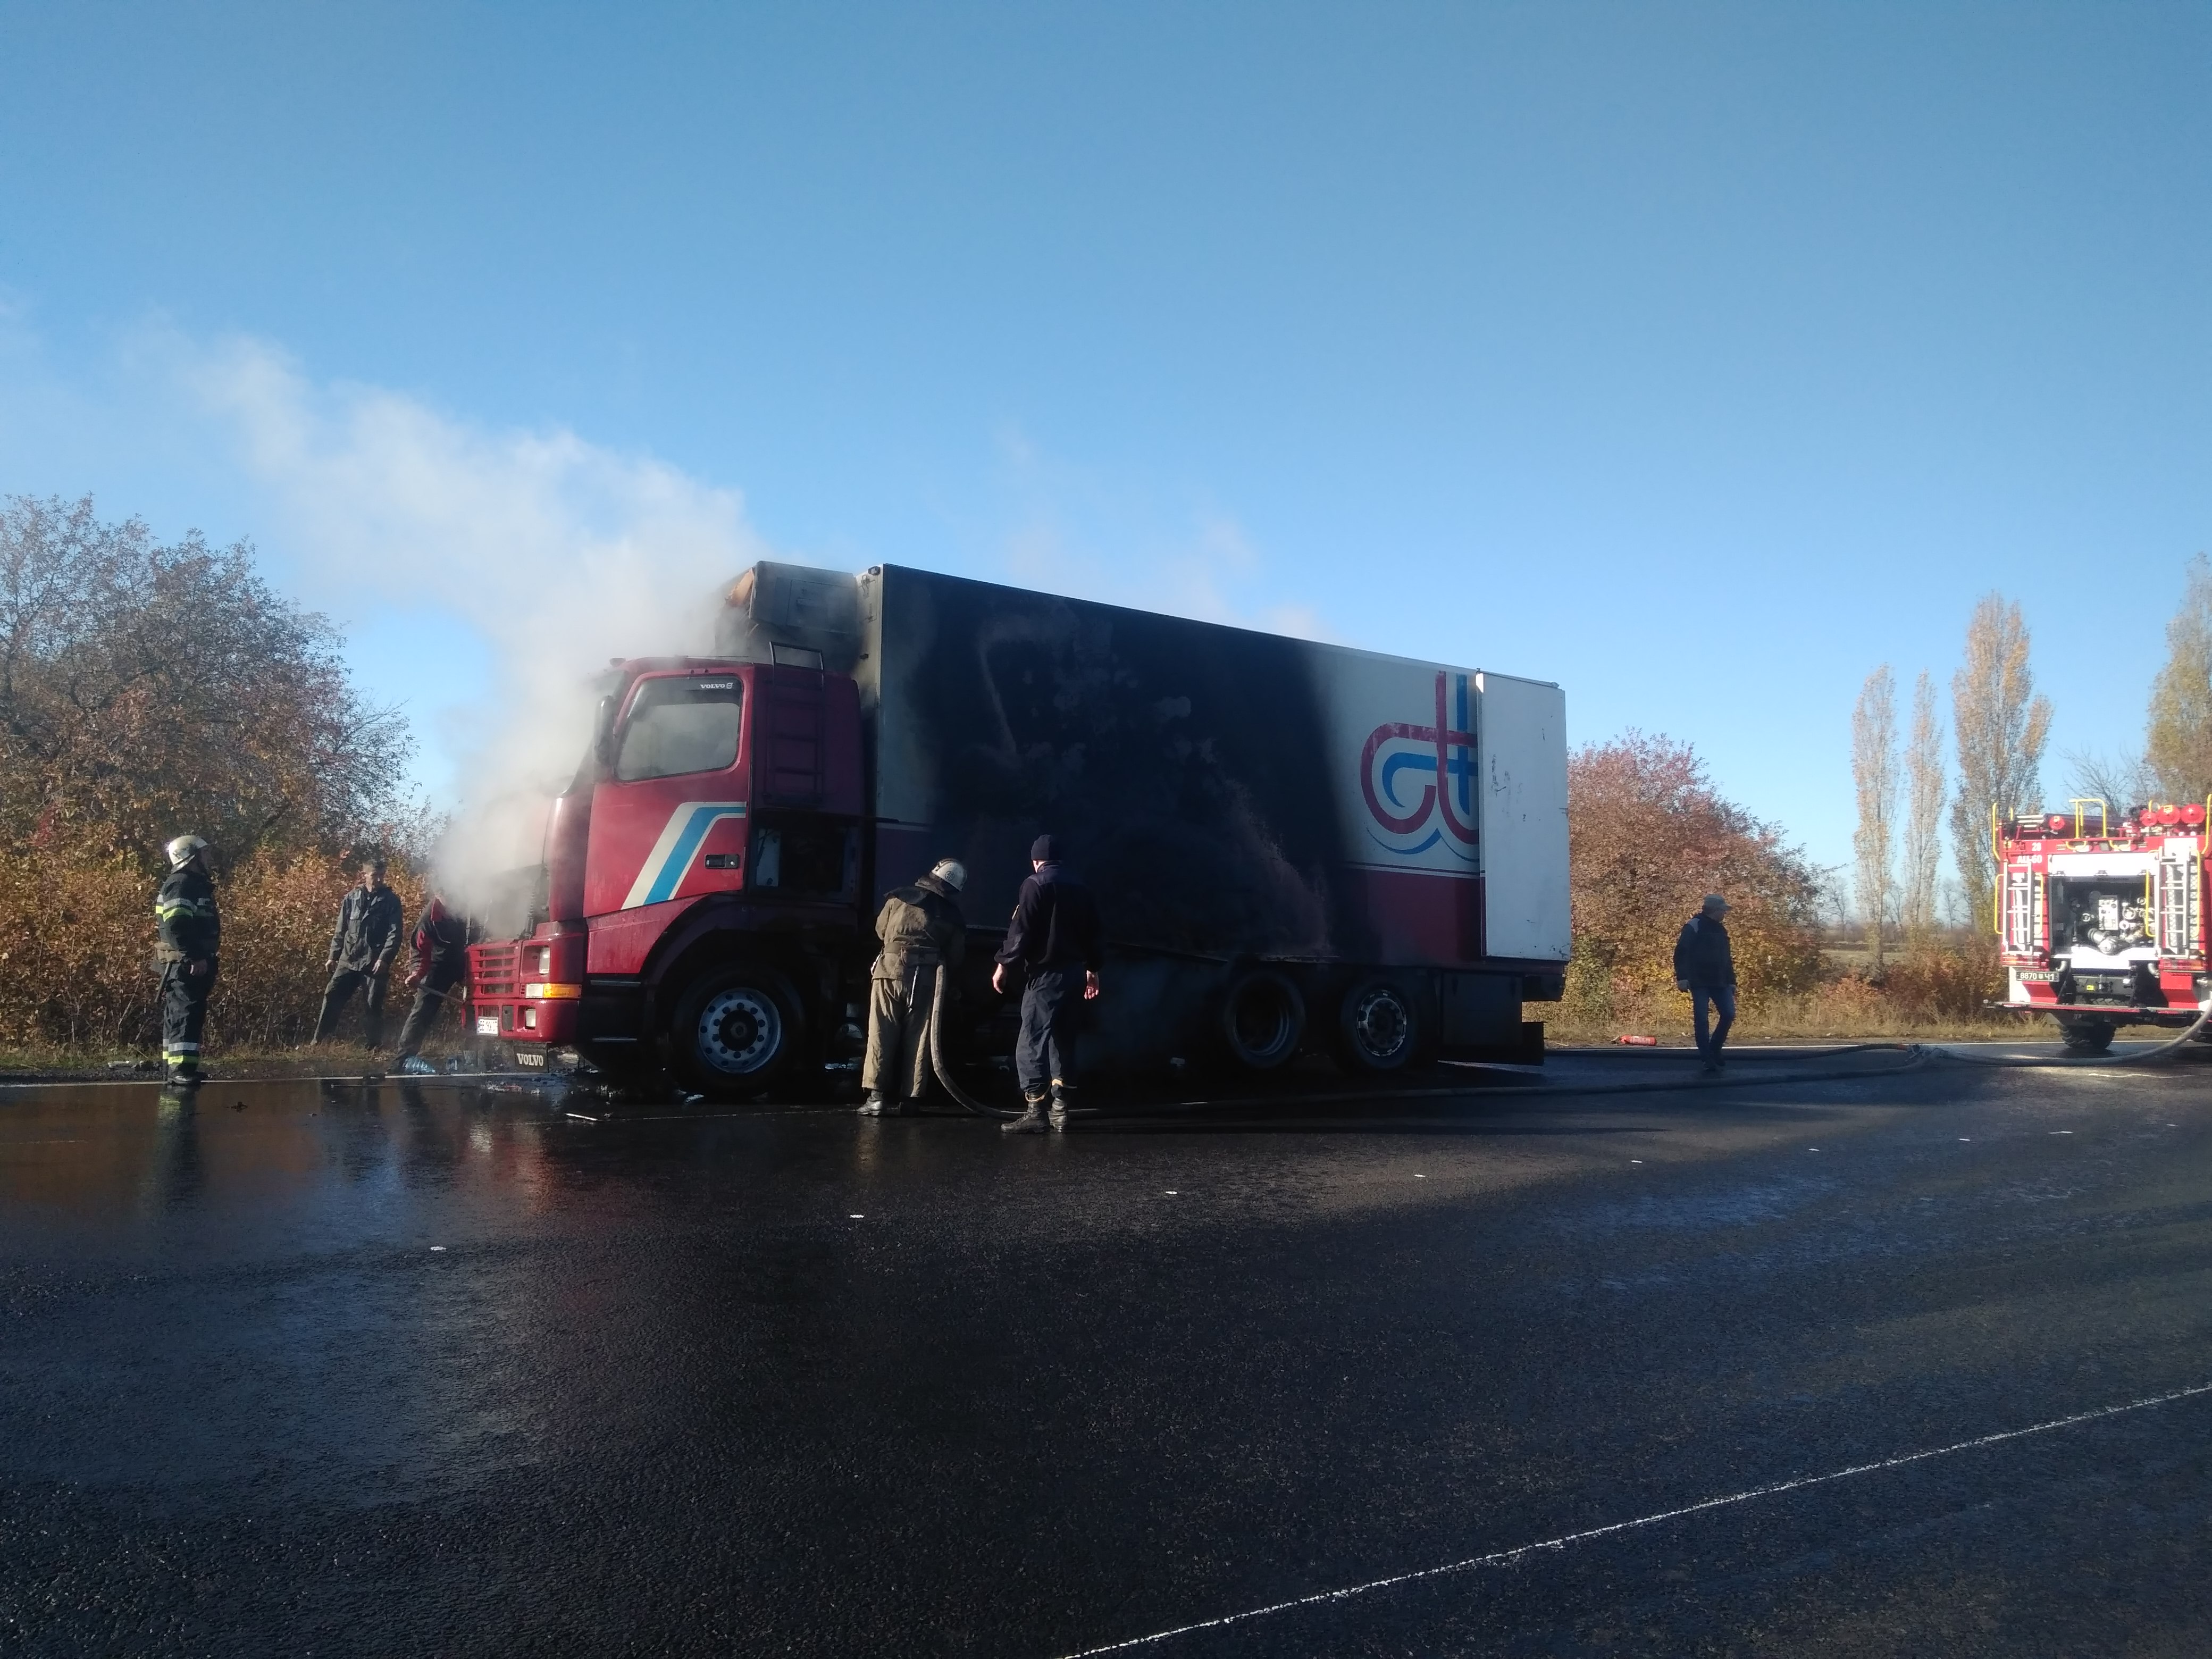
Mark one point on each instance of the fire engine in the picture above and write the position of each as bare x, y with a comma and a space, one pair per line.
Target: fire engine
2100, 917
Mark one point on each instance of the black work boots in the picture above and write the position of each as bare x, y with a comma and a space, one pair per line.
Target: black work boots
1035, 1120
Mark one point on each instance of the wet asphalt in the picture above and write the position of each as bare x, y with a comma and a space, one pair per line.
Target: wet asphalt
429, 1369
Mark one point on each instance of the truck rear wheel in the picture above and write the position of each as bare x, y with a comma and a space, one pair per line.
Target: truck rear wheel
1262, 1019
735, 1032
1378, 1027
2086, 1036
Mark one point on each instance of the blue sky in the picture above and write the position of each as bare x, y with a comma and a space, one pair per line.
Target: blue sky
1697, 357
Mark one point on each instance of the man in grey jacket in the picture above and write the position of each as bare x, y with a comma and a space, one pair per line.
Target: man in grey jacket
1705, 968
363, 946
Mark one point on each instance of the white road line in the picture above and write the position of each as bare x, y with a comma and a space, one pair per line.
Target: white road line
1502, 1558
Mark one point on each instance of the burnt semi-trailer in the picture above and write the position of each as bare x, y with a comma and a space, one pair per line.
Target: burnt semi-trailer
1295, 846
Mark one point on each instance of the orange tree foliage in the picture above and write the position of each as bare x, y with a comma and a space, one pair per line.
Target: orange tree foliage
1649, 838
146, 692
76, 967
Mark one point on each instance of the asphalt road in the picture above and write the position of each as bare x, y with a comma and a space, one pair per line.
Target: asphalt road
399, 1370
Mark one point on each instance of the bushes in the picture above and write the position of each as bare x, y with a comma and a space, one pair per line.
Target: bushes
76, 948
148, 690
1649, 836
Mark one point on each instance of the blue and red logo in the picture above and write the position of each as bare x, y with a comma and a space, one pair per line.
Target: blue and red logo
1420, 780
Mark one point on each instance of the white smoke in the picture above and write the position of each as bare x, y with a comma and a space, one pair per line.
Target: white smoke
562, 553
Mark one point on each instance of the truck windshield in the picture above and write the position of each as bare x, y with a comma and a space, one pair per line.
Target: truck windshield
678, 725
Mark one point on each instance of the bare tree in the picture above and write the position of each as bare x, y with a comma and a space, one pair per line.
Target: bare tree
2119, 780
1924, 787
1873, 769
2177, 739
2002, 726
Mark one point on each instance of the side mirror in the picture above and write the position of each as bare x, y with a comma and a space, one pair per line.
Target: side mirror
603, 731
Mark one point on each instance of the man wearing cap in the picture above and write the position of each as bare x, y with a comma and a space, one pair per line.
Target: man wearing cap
363, 946
1055, 939
189, 931
921, 927
1705, 968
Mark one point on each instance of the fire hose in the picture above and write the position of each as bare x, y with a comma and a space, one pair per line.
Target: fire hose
938, 997
2157, 1053
1915, 1056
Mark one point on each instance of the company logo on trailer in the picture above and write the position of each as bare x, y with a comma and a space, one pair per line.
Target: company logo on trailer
1402, 767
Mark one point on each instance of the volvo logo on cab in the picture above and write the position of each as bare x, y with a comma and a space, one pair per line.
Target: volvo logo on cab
1401, 768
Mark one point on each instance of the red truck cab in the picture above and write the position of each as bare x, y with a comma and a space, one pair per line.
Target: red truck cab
700, 871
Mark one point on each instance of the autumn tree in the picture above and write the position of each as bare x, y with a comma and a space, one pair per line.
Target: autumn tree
146, 690
1649, 836
1925, 788
1874, 771
2178, 738
149, 689
2002, 726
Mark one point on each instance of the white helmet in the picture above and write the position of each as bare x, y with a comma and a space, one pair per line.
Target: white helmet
951, 873
183, 850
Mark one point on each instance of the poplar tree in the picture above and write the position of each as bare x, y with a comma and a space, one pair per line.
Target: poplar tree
1873, 769
1924, 784
2002, 726
2178, 739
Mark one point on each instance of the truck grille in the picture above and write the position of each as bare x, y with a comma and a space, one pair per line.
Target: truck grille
496, 970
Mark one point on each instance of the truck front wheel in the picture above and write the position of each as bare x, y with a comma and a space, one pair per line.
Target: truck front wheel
1378, 1029
735, 1032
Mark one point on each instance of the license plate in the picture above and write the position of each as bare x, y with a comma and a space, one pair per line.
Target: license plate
487, 1024
2035, 976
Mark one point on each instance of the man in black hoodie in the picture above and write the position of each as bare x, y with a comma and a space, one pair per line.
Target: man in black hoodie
1705, 968
1055, 940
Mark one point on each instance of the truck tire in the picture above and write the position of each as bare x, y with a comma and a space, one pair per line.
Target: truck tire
1379, 1026
2087, 1036
735, 1032
1263, 1020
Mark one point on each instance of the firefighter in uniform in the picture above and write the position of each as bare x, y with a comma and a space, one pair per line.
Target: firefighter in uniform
190, 932
920, 926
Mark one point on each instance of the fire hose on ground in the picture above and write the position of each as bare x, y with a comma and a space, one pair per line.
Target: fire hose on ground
1914, 1056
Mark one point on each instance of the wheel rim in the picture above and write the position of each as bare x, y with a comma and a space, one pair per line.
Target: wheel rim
740, 1030
1382, 1024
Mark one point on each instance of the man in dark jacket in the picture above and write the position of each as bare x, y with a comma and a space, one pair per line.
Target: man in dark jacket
1706, 969
920, 926
363, 946
1055, 940
441, 962
189, 934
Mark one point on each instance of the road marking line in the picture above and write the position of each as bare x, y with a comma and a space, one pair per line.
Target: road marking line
1503, 1558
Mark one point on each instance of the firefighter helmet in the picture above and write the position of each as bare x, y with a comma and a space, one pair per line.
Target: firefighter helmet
951, 873
183, 850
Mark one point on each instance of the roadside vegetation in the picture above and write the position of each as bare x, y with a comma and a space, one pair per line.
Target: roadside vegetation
148, 690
